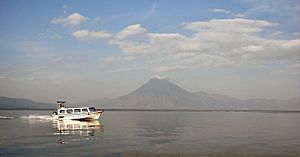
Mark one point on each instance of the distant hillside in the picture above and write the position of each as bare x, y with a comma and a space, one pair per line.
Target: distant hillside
163, 94
272, 104
17, 103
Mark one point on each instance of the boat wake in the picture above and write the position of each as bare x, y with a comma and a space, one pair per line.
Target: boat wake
6, 117
37, 117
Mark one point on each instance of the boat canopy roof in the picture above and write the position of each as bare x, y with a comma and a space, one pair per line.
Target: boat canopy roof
90, 108
61, 101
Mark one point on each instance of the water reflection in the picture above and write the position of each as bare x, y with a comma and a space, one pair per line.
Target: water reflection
160, 127
73, 130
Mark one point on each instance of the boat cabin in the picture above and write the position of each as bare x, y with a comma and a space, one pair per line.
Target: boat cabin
76, 110
62, 109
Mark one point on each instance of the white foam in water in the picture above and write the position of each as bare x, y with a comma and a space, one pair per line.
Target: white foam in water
6, 117
38, 117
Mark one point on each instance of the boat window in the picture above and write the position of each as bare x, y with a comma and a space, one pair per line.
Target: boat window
62, 111
85, 110
92, 109
76, 110
69, 111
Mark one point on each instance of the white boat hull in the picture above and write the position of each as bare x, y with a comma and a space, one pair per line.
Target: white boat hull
80, 116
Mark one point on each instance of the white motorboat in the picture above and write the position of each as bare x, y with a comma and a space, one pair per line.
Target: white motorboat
76, 113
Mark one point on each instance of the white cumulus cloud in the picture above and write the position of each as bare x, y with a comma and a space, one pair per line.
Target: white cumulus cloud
89, 34
234, 42
131, 31
74, 19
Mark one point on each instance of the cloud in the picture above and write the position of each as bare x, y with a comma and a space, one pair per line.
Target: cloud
131, 31
291, 69
74, 19
136, 40
295, 66
163, 68
215, 10
89, 34
290, 43
152, 11
288, 10
35, 48
237, 25
113, 59
32, 78
296, 34
3, 76
240, 15
215, 43
52, 36
97, 19
252, 48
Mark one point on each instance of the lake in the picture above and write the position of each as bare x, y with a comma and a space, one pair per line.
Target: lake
151, 133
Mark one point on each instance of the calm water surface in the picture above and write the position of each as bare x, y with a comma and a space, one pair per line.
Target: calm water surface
145, 133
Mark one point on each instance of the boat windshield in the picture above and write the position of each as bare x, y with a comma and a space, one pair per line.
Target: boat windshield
92, 109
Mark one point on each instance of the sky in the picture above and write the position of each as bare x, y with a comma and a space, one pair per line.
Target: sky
81, 50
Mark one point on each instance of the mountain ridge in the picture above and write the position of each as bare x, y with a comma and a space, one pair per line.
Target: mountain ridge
22, 103
163, 94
